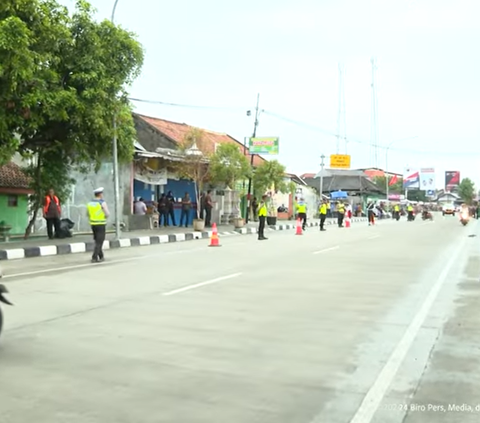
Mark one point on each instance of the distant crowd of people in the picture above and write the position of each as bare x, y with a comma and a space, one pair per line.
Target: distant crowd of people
164, 207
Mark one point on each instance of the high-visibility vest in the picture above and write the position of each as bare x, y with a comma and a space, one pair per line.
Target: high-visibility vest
301, 208
96, 213
262, 210
323, 209
341, 208
396, 208
409, 208
48, 200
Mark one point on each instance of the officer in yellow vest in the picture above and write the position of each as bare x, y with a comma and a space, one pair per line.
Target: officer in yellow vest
302, 212
410, 212
98, 213
323, 214
396, 211
262, 217
341, 213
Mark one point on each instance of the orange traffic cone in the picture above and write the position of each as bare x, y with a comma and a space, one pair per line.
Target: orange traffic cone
299, 227
347, 222
214, 240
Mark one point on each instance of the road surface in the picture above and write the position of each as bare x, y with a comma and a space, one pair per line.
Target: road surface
368, 324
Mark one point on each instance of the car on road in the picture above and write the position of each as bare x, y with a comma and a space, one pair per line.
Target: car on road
448, 208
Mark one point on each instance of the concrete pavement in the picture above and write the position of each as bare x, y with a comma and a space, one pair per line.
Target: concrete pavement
347, 325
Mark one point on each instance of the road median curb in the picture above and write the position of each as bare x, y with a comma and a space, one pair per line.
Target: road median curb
85, 247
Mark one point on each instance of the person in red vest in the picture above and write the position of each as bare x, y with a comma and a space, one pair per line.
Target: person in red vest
51, 213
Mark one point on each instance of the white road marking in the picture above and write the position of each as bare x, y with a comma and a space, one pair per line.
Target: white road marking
81, 266
199, 285
376, 393
325, 250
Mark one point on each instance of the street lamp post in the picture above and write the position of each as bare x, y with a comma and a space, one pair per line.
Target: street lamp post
322, 165
116, 176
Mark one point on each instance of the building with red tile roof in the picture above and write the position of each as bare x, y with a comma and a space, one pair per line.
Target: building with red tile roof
175, 133
13, 180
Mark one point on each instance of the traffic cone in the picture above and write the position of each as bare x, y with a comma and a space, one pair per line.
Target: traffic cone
214, 240
299, 227
347, 222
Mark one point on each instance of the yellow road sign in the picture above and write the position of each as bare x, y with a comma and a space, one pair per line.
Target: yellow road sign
340, 161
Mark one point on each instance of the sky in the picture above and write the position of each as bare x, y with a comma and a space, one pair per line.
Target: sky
219, 54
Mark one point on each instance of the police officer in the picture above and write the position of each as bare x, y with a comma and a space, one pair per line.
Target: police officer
302, 212
410, 212
98, 213
262, 217
323, 214
341, 213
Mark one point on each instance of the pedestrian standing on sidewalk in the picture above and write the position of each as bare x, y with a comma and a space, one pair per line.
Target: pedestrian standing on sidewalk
323, 214
262, 217
186, 207
171, 207
51, 213
98, 213
208, 209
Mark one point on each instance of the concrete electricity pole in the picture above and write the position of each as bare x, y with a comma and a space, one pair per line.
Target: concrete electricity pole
322, 165
251, 157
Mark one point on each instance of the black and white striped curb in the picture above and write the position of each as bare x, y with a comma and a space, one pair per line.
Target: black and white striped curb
85, 247
288, 226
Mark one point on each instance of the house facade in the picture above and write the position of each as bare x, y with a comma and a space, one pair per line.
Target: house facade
14, 194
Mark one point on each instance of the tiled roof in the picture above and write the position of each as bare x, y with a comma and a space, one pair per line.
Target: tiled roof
177, 132
12, 176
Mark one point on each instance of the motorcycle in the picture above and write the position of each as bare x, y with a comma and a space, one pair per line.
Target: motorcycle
426, 215
3, 290
464, 217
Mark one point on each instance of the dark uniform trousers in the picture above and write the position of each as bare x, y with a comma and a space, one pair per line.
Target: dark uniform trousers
99, 232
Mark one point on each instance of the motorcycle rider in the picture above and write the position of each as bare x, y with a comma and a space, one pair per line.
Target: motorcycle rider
410, 212
396, 211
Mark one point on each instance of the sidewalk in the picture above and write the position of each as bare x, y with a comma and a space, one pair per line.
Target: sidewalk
81, 243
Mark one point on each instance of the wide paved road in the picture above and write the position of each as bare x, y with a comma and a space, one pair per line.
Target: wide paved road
369, 324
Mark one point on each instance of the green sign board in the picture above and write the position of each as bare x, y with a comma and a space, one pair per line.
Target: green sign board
263, 145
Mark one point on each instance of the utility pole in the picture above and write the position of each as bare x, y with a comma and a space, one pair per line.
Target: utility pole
322, 165
251, 157
116, 176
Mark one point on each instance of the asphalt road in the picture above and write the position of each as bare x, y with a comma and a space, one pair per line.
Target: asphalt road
368, 324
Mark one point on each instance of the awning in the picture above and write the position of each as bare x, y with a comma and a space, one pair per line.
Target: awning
338, 194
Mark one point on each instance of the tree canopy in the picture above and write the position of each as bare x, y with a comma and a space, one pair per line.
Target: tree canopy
270, 174
466, 190
396, 188
63, 79
229, 165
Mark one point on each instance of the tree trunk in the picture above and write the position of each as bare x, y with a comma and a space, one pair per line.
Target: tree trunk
37, 196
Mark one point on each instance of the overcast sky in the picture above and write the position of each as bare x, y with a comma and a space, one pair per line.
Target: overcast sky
222, 53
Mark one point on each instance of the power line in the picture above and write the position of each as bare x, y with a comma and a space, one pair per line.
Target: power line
303, 125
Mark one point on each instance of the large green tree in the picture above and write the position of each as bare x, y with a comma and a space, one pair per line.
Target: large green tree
63, 79
229, 165
270, 174
466, 190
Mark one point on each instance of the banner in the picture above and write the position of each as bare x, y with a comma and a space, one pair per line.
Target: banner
264, 145
452, 180
147, 175
427, 179
411, 179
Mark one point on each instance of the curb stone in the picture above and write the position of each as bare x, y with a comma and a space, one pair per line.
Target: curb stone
85, 247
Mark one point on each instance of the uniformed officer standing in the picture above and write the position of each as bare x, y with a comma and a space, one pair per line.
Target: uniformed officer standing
262, 217
302, 212
323, 214
98, 213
